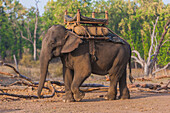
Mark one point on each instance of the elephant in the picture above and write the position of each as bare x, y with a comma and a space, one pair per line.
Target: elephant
112, 59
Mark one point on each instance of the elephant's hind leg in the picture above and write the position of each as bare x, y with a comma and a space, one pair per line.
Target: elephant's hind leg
124, 91
112, 91
115, 74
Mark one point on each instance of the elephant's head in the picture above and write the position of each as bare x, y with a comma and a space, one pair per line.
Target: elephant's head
56, 42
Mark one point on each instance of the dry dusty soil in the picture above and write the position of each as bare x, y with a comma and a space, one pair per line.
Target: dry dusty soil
94, 102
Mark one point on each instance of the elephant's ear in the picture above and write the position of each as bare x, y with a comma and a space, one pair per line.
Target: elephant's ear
72, 42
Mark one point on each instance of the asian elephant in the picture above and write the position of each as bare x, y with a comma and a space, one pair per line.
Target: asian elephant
112, 59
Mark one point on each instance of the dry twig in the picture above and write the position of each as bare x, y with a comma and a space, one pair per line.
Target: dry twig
163, 76
164, 87
143, 79
30, 96
18, 73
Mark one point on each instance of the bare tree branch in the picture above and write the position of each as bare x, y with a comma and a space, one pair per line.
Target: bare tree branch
25, 37
164, 87
18, 73
166, 27
16, 64
137, 60
9, 74
31, 96
166, 66
164, 42
152, 40
156, 43
138, 54
28, 30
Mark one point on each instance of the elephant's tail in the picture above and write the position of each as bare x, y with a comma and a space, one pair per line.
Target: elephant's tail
130, 72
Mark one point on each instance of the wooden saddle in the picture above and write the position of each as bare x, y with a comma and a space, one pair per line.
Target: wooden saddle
87, 26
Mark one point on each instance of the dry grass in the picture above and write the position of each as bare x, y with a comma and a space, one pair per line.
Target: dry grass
55, 70
139, 72
33, 72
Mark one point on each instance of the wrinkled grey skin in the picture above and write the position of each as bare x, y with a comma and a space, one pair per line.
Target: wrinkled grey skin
112, 59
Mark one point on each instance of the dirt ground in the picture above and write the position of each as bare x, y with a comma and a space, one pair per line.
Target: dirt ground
94, 102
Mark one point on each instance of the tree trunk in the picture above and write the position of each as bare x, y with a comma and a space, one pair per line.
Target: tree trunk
20, 48
166, 27
35, 50
136, 65
146, 70
35, 31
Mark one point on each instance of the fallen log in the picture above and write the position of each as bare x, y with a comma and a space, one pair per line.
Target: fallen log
14, 87
153, 91
164, 87
20, 96
21, 82
104, 89
150, 86
94, 89
17, 72
163, 76
9, 74
143, 79
83, 85
93, 85
30, 96
133, 85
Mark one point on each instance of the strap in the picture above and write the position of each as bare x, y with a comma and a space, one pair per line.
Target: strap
92, 50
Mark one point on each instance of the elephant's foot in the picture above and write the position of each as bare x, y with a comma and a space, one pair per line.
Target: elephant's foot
68, 100
79, 96
124, 94
124, 97
68, 97
110, 97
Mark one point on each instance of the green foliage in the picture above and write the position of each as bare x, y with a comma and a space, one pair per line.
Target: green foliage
54, 10
5, 34
133, 21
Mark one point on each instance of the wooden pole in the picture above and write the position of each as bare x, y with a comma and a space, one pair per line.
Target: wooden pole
106, 17
78, 16
93, 14
64, 17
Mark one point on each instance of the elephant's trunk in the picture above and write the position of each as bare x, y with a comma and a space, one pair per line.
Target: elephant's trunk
44, 62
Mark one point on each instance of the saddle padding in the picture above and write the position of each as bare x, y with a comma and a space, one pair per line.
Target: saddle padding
92, 30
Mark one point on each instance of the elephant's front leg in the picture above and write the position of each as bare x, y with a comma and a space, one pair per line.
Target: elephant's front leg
79, 78
82, 70
68, 78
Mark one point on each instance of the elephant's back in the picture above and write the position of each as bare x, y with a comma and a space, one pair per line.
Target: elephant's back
110, 49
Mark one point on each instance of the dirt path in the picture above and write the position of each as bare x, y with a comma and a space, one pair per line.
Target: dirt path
92, 103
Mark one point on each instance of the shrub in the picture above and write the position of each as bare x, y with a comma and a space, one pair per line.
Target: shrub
28, 61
